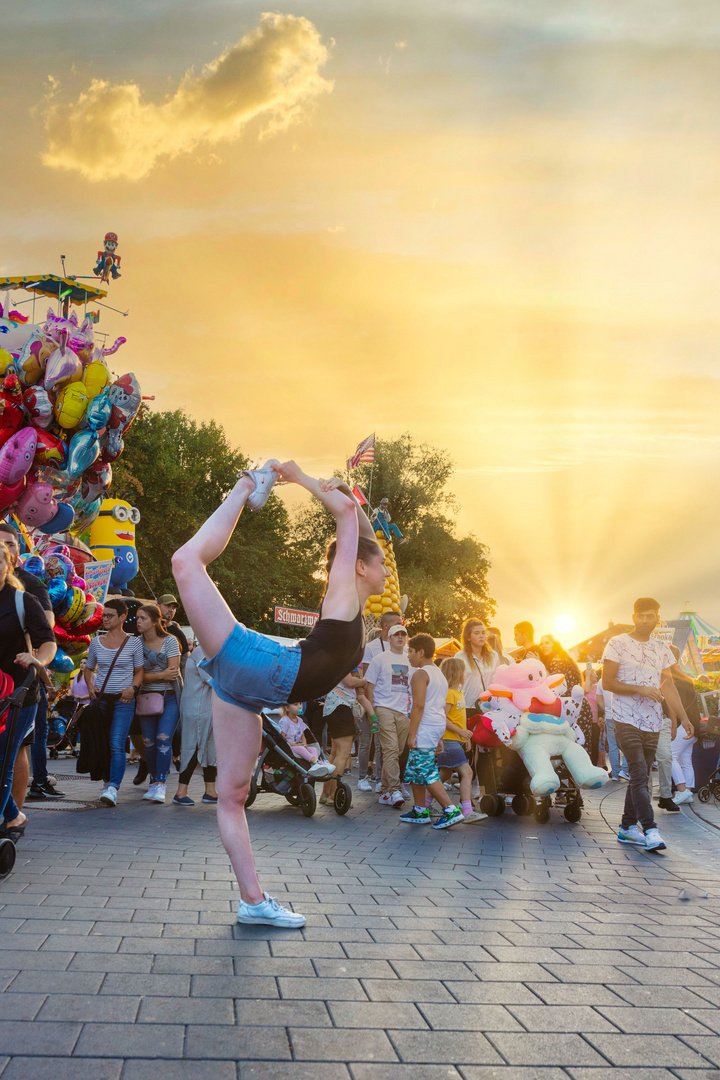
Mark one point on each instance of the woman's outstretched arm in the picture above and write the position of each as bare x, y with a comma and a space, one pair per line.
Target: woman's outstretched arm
336, 484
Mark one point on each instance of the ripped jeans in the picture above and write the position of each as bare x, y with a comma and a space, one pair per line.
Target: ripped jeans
157, 733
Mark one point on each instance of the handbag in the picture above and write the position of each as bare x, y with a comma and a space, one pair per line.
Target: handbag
152, 704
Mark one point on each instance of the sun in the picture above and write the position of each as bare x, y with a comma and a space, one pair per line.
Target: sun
565, 624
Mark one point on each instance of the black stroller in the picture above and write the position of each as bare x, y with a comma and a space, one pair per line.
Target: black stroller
12, 704
507, 778
279, 772
62, 727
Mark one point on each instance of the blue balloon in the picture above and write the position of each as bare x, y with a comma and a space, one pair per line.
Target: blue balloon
62, 520
35, 564
57, 590
98, 412
62, 663
83, 450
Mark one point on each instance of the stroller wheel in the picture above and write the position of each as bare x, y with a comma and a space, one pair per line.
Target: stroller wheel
521, 805
292, 797
342, 800
573, 811
252, 793
307, 800
7, 856
704, 794
541, 813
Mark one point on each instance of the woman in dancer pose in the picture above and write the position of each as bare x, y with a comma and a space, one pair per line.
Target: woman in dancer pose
250, 672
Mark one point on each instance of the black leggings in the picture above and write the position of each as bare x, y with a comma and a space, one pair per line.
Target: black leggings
209, 771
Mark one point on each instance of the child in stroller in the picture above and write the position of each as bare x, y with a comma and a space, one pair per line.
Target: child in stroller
292, 768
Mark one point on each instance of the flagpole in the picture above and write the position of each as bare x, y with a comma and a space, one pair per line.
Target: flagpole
372, 470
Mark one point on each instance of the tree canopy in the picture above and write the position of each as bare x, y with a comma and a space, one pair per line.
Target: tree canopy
444, 576
177, 472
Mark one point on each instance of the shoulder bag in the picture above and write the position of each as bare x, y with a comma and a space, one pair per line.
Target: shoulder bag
115, 659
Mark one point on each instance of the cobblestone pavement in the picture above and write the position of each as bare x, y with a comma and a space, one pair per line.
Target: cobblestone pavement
504, 950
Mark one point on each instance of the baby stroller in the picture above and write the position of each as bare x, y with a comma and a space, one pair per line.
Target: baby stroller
10, 706
711, 788
279, 772
62, 727
505, 777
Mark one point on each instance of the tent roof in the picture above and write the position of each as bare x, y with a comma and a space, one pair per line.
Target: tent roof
52, 286
700, 626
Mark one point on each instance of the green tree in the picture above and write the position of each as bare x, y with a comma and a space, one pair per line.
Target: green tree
176, 472
444, 576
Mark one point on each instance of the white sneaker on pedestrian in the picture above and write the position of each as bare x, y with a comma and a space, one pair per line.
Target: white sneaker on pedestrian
265, 479
150, 793
268, 913
624, 774
378, 786
681, 797
397, 798
159, 793
109, 796
633, 835
654, 841
386, 799
364, 784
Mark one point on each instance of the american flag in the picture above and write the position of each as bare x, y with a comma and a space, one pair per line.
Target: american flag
364, 453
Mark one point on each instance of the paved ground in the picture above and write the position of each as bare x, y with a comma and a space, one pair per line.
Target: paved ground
499, 951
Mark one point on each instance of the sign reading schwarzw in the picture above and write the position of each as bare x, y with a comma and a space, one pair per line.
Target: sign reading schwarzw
288, 616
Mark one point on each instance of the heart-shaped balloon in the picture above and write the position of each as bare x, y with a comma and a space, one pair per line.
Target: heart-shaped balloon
62, 368
83, 449
49, 450
36, 505
10, 493
38, 406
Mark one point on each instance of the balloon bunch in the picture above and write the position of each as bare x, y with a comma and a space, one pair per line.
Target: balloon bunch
77, 612
62, 423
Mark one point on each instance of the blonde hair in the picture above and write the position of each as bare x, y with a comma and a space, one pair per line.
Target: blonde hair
454, 671
10, 577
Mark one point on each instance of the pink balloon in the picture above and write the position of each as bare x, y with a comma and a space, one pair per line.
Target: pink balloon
36, 505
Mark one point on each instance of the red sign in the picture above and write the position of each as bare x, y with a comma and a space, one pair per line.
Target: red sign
288, 616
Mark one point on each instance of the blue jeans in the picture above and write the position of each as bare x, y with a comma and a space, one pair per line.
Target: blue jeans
612, 747
157, 734
119, 728
38, 750
23, 727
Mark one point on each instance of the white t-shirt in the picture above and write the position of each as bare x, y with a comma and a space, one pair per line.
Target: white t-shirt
377, 647
432, 725
292, 728
390, 674
641, 663
478, 675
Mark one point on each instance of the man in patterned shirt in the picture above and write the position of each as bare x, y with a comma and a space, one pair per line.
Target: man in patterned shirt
637, 671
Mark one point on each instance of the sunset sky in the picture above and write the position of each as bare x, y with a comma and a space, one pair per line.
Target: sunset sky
493, 223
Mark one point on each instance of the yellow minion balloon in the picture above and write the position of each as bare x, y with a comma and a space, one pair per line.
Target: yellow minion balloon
112, 536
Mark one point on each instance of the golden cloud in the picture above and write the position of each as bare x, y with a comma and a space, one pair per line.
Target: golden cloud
110, 133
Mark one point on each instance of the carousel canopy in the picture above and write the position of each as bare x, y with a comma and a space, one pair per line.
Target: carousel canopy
58, 288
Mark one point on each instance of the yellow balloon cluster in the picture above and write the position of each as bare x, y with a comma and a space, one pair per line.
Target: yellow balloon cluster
390, 599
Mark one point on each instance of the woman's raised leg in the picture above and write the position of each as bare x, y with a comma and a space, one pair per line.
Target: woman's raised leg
209, 615
237, 740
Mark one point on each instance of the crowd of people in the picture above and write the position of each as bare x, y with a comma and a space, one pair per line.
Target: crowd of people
388, 698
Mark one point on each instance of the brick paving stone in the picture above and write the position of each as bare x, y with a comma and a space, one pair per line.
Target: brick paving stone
131, 1040
544, 1049
469, 1018
575, 994
407, 990
228, 986
562, 1018
708, 1046
376, 1014
180, 1070
20, 1006
293, 1070
343, 1045
507, 1072
55, 1068
116, 962
282, 1014
90, 1008
193, 1010
438, 1047
658, 997
237, 1043
322, 989
368, 1071
658, 1021
623, 1074
663, 1051
49, 1039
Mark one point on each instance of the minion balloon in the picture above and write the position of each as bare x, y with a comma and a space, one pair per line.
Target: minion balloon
112, 536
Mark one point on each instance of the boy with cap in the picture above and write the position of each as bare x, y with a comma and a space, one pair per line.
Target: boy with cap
388, 690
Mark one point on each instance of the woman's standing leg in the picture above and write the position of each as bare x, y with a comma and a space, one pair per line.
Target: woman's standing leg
210, 776
149, 728
119, 728
165, 731
341, 752
237, 739
186, 776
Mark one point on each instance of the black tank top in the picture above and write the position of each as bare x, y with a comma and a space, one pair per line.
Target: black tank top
332, 649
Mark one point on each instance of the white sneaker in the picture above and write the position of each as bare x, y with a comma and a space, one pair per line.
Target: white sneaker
633, 835
265, 479
150, 793
320, 769
364, 784
397, 798
159, 793
654, 841
681, 797
386, 799
378, 786
268, 913
109, 796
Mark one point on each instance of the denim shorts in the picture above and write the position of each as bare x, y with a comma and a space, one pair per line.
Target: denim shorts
453, 756
252, 671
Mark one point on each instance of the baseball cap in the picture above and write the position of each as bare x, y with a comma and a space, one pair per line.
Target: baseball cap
397, 629
167, 598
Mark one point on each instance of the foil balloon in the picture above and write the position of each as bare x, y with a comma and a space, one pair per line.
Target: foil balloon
96, 480
125, 395
86, 513
32, 360
34, 564
98, 412
62, 368
83, 449
6, 359
113, 445
72, 608
59, 566
16, 456
36, 506
96, 377
56, 591
78, 583
62, 521
49, 450
38, 406
10, 493
71, 404
62, 663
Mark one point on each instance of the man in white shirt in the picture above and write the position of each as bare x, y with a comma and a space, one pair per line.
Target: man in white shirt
381, 644
637, 671
388, 689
